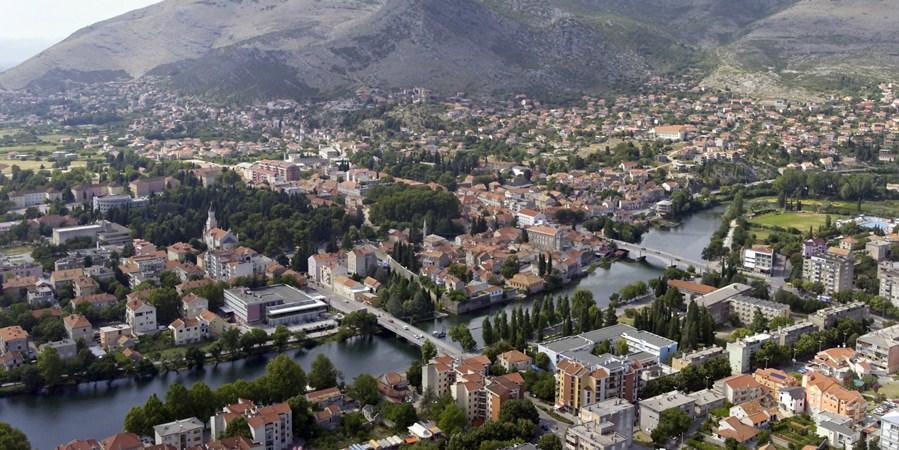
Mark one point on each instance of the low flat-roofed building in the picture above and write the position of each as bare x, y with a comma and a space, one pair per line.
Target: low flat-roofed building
651, 409
278, 304
717, 302
697, 357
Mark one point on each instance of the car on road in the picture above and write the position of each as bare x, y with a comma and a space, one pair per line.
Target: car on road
405, 327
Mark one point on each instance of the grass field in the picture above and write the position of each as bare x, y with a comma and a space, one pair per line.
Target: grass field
29, 148
799, 220
760, 233
15, 251
890, 390
24, 165
885, 208
9, 131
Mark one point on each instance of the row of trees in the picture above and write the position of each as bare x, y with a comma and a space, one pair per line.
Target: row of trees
662, 317
284, 380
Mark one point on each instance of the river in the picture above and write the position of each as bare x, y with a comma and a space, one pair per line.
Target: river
96, 410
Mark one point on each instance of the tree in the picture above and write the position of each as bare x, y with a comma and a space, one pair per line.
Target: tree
177, 402
513, 410
203, 400
759, 322
452, 419
487, 331
12, 438
428, 351
611, 317
51, 366
301, 410
672, 423
461, 334
403, 415
136, 422
284, 378
280, 337
231, 340
365, 390
155, 411
323, 374
549, 441
621, 348
238, 427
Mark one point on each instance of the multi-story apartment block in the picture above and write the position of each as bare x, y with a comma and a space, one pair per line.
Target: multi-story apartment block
745, 307
361, 261
697, 357
140, 316
888, 274
740, 388
828, 317
180, 434
889, 430
881, 348
833, 270
740, 353
605, 425
270, 426
651, 409
479, 395
824, 394
759, 258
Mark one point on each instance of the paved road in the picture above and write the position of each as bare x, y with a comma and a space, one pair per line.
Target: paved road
399, 327
668, 258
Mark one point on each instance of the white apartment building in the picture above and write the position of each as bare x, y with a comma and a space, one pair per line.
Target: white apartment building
181, 434
759, 258
140, 316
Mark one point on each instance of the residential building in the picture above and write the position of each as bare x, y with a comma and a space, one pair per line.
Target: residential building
278, 304
143, 187
651, 409
824, 394
192, 304
78, 327
740, 353
759, 259
270, 426
107, 202
65, 348
605, 425
813, 247
116, 336
514, 359
187, 331
740, 388
361, 261
744, 307
140, 316
828, 317
526, 282
791, 400
833, 270
718, 301
182, 434
878, 249
349, 288
888, 274
889, 430
754, 414
881, 348
774, 380
15, 339
697, 357
528, 217
732, 428
839, 436
788, 335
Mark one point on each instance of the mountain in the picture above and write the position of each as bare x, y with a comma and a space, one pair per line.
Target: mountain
250, 49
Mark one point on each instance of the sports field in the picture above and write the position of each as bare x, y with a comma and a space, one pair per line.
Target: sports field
799, 220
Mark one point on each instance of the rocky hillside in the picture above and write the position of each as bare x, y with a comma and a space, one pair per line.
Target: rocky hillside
313, 48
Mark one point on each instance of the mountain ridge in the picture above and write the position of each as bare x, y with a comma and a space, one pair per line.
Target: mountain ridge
253, 49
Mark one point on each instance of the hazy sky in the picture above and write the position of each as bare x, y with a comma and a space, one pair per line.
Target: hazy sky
56, 19
29, 26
